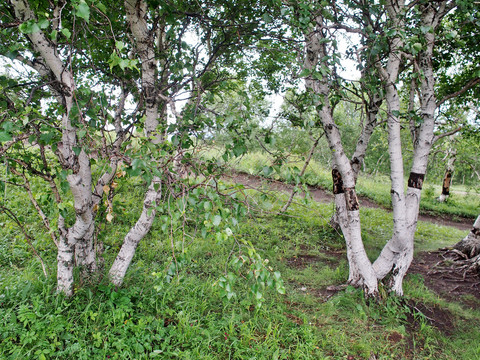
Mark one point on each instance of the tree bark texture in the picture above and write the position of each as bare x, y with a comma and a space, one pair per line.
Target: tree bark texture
350, 224
80, 178
136, 234
398, 253
145, 42
470, 245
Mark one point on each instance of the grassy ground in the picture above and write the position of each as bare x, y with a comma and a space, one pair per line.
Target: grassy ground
464, 202
186, 317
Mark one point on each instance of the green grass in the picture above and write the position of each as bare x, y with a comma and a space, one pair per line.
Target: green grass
463, 202
188, 318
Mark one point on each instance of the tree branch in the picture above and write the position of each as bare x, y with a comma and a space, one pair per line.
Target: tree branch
466, 87
448, 133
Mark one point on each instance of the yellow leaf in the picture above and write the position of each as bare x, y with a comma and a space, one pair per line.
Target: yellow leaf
109, 217
106, 189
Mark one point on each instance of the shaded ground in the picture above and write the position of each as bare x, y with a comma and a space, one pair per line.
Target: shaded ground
321, 195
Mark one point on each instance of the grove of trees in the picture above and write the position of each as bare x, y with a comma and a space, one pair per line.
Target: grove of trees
98, 92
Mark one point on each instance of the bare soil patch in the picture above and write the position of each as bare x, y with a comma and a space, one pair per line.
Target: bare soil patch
434, 316
445, 278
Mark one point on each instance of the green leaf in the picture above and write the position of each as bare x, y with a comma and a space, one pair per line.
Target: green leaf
425, 29
101, 7
77, 150
43, 23
417, 47
267, 170
4, 136
82, 11
124, 63
53, 35
66, 33
207, 205
304, 73
267, 18
119, 45
281, 289
216, 220
29, 27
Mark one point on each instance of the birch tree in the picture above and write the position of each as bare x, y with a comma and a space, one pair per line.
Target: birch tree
401, 48
75, 47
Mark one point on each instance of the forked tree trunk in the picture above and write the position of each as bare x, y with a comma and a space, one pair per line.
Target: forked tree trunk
398, 253
470, 245
350, 219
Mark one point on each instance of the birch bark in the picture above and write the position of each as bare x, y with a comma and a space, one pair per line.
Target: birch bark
137, 14
63, 85
470, 245
315, 51
398, 253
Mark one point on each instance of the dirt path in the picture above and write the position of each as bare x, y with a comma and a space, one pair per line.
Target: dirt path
321, 195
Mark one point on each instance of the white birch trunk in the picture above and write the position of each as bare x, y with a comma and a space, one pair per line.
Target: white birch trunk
136, 234
354, 276
145, 42
397, 244
398, 253
316, 50
470, 245
65, 253
80, 179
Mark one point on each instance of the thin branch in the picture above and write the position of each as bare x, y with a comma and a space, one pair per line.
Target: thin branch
307, 161
466, 87
448, 133
29, 239
45, 220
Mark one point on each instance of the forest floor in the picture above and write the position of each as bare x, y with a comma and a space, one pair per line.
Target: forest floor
442, 276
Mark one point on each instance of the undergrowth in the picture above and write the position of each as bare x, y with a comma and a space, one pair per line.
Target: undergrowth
159, 313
